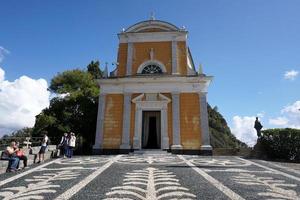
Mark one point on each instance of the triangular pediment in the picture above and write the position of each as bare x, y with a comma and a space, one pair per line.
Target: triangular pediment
151, 97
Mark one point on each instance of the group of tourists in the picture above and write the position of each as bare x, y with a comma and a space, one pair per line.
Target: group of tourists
67, 144
14, 154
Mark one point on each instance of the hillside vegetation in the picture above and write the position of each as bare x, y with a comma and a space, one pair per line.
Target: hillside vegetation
220, 134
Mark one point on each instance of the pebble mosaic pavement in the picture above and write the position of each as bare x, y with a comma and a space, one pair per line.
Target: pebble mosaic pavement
151, 177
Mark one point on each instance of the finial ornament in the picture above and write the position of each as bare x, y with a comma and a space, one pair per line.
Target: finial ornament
152, 17
200, 69
151, 54
105, 73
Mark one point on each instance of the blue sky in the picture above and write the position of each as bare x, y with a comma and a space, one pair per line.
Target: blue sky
248, 46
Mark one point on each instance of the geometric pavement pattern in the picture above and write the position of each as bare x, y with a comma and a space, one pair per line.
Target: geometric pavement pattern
151, 177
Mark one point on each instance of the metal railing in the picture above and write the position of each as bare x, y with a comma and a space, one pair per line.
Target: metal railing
25, 141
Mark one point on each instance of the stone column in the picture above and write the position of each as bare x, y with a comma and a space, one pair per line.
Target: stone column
126, 122
174, 57
164, 127
204, 123
137, 128
100, 123
129, 59
176, 121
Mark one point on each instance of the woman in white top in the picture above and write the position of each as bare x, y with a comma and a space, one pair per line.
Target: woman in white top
43, 147
71, 144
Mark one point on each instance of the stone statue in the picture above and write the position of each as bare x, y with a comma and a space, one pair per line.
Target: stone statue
258, 127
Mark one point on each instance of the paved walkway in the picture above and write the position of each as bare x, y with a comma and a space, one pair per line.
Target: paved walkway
152, 177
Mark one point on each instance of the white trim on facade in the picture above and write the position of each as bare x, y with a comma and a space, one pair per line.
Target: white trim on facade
174, 57
159, 84
190, 64
152, 37
129, 59
126, 122
204, 122
152, 24
176, 121
100, 122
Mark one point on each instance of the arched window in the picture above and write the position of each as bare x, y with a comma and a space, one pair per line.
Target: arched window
152, 69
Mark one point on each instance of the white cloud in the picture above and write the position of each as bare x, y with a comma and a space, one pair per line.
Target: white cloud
3, 52
291, 75
293, 109
292, 113
279, 121
2, 73
290, 116
243, 129
20, 101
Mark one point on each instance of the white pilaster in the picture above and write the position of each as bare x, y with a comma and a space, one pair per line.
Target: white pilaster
100, 122
164, 127
174, 57
129, 59
126, 122
176, 121
137, 128
204, 122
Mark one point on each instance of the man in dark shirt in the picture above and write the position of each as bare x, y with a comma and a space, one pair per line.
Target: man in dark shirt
258, 127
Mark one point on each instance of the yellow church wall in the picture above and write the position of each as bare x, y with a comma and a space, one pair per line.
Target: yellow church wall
113, 121
122, 59
182, 57
190, 121
162, 53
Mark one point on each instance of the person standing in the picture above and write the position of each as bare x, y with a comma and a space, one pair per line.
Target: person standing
258, 127
64, 145
43, 147
71, 144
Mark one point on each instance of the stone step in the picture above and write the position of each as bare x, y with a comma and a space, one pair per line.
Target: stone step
150, 152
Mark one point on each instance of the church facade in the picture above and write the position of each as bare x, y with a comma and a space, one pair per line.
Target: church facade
154, 99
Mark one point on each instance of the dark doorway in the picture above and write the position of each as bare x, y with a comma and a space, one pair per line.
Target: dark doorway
151, 130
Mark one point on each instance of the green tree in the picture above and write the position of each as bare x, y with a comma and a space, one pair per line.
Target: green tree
94, 69
74, 109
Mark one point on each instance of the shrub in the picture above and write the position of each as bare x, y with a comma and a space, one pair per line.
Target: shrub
281, 143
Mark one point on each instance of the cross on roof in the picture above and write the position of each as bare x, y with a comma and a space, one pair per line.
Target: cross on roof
152, 16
